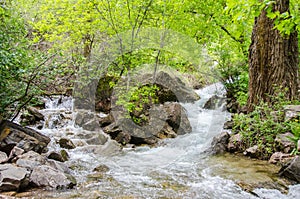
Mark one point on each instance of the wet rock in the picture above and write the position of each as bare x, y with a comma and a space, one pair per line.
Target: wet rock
8, 195
31, 116
110, 148
107, 120
113, 130
123, 138
166, 121
284, 143
12, 134
166, 132
91, 125
30, 160
101, 168
228, 124
291, 170
36, 113
292, 112
27, 119
235, 143
97, 139
279, 157
252, 152
214, 102
177, 118
56, 156
175, 89
48, 177
15, 152
56, 120
59, 166
3, 157
219, 144
232, 106
87, 120
12, 178
66, 143
98, 176
64, 155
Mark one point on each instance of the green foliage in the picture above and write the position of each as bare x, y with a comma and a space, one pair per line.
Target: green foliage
137, 102
15, 60
295, 129
286, 22
232, 71
137, 59
72, 29
261, 126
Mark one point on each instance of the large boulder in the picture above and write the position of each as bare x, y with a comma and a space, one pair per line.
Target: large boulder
291, 170
12, 134
49, 177
172, 88
12, 177
30, 160
166, 121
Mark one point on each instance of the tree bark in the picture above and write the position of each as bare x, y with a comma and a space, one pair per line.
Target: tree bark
273, 60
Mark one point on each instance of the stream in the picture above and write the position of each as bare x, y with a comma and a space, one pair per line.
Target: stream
177, 168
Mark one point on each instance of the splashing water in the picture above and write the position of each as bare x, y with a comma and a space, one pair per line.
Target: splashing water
178, 168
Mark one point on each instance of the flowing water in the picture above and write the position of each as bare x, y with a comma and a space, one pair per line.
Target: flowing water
177, 168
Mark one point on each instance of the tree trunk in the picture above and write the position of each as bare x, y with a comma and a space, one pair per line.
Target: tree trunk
88, 44
273, 60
